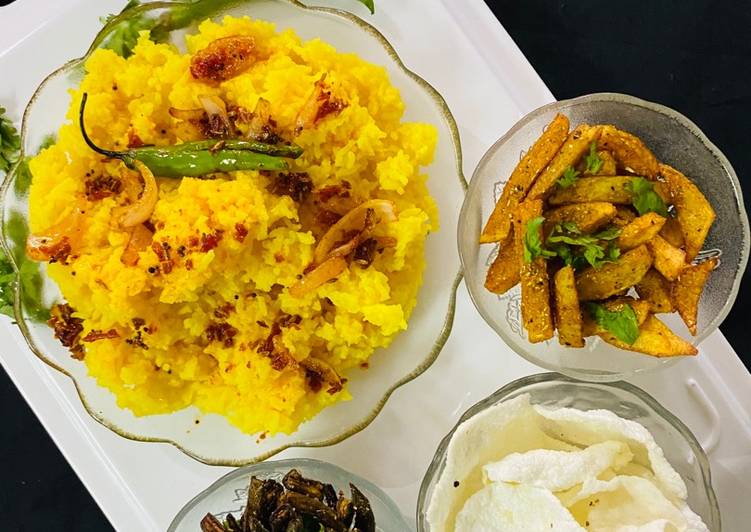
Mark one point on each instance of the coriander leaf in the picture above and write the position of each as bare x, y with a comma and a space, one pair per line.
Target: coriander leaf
124, 36
6, 285
571, 227
18, 231
644, 198
22, 182
108, 18
533, 247
568, 178
47, 141
593, 253
370, 4
611, 233
10, 142
31, 280
613, 253
29, 273
589, 249
593, 161
622, 324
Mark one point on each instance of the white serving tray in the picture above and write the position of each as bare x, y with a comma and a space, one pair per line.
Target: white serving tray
459, 47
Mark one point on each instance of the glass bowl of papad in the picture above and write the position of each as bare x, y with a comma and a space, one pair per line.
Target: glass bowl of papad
553, 391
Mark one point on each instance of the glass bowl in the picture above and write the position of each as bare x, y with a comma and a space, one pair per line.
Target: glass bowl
229, 493
625, 400
214, 440
675, 140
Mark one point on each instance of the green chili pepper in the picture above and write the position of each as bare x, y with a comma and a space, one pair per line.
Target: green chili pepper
292, 151
199, 158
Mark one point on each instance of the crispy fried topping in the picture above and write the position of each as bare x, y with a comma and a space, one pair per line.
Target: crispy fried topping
49, 249
318, 106
273, 346
224, 311
210, 241
328, 106
162, 251
213, 127
318, 372
67, 329
102, 187
327, 218
137, 340
365, 252
238, 113
334, 191
134, 141
240, 232
96, 334
296, 185
314, 380
223, 59
223, 333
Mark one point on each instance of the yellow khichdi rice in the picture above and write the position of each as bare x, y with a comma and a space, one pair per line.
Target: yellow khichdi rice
210, 321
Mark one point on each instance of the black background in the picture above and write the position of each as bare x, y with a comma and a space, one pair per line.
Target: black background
693, 56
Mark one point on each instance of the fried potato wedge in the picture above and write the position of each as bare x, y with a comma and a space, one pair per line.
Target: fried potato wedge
572, 150
693, 212
663, 190
610, 189
672, 232
655, 339
534, 161
568, 318
536, 314
640, 231
587, 216
656, 291
687, 291
669, 260
629, 151
612, 277
609, 166
641, 308
623, 216
503, 274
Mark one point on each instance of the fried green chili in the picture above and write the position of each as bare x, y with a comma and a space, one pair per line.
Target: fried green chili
200, 158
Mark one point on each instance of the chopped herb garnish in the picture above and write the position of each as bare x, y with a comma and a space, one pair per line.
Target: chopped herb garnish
29, 272
17, 231
124, 37
568, 178
10, 142
590, 249
533, 247
568, 243
644, 198
22, 181
370, 4
10, 146
7, 275
622, 323
593, 161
